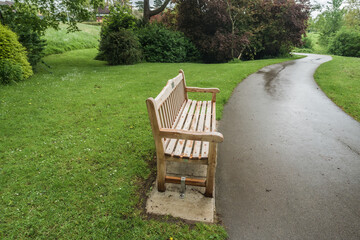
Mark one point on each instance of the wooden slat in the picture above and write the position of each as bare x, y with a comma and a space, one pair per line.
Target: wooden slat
181, 143
197, 144
189, 144
170, 147
166, 113
188, 181
177, 118
167, 90
172, 108
213, 122
161, 117
205, 145
203, 161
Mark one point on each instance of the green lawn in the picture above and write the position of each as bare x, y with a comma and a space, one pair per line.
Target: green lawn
76, 148
340, 80
61, 41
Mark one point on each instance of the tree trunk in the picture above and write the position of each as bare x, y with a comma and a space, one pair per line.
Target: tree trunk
149, 13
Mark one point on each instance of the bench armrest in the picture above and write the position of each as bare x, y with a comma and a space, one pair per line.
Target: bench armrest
204, 90
191, 135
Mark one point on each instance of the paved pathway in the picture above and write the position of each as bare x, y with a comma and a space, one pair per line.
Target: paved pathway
289, 167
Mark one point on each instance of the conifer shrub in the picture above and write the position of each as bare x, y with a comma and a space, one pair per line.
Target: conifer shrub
12, 50
120, 47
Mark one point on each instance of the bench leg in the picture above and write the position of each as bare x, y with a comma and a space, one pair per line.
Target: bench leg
210, 177
161, 173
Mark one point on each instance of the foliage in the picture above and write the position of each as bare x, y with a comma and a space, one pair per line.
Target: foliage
208, 25
120, 47
346, 43
24, 22
282, 24
332, 20
160, 44
222, 30
119, 18
352, 15
55, 12
339, 79
73, 164
307, 43
12, 50
158, 3
140, 5
168, 18
118, 43
59, 41
9, 72
148, 12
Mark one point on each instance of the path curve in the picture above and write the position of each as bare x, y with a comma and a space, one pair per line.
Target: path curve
289, 167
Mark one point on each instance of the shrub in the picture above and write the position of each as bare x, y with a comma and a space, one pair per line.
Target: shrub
346, 43
116, 32
119, 18
11, 49
121, 47
9, 72
307, 43
23, 24
160, 44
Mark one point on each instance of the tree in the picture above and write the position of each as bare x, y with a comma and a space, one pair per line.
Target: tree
267, 28
158, 3
140, 5
54, 12
149, 13
207, 24
352, 16
332, 21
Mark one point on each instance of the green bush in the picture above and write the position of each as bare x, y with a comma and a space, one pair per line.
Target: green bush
9, 72
23, 23
307, 43
346, 43
121, 47
119, 18
118, 27
11, 49
160, 44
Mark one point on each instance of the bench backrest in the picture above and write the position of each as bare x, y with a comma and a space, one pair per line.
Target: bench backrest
168, 103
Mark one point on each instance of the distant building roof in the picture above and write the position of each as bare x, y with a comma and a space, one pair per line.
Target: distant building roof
9, 3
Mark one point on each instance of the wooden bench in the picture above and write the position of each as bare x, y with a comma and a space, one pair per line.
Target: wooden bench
184, 130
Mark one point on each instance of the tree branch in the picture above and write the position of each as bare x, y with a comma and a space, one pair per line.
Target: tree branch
160, 9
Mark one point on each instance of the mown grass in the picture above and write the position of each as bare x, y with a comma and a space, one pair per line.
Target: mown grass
340, 80
76, 147
61, 41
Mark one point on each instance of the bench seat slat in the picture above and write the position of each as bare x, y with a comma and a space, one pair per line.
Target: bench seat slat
205, 145
197, 144
190, 143
181, 143
197, 116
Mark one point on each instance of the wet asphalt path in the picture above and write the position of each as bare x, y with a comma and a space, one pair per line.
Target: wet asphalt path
289, 167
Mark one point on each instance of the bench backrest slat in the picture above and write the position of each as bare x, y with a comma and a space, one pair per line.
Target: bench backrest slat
170, 100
